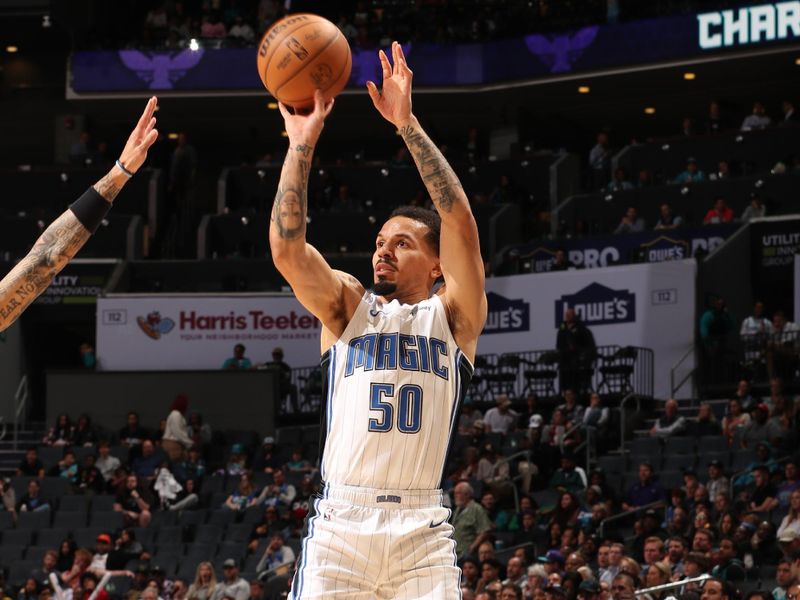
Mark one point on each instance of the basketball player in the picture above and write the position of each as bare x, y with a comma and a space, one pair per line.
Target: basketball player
398, 359
69, 232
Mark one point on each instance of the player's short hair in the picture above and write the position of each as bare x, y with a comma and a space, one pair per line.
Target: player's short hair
429, 218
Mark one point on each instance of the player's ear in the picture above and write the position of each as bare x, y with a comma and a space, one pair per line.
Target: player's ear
436, 271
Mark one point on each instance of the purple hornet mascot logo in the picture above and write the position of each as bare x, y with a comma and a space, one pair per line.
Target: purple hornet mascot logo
160, 69
560, 52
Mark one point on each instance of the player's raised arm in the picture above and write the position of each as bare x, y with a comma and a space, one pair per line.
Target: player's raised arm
328, 294
460, 254
69, 232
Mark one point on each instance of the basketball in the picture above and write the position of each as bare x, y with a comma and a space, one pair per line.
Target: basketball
302, 53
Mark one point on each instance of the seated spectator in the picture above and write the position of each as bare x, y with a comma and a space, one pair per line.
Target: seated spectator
515, 574
199, 431
231, 586
31, 466
268, 458
792, 519
565, 514
134, 503
469, 414
789, 484
126, 548
717, 482
278, 493
568, 478
66, 555
763, 497
758, 119
645, 491
719, 213
782, 349
676, 552
658, 573
562, 263
132, 434
187, 497
205, 582
706, 423
147, 464
784, 578
736, 419
212, 27
596, 415
755, 210
60, 434
723, 171
756, 324
619, 182
66, 468
671, 423
500, 419
761, 428
631, 222
33, 501
298, 464
106, 463
84, 433
80, 564
237, 460
241, 31
276, 555
667, 219
490, 577
238, 362
728, 567
90, 480
470, 523
192, 467
691, 174
470, 573
572, 410
245, 496
492, 468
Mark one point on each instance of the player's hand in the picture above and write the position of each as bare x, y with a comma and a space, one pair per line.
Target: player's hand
306, 128
393, 100
142, 137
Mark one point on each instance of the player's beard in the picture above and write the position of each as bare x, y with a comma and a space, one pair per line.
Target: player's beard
384, 288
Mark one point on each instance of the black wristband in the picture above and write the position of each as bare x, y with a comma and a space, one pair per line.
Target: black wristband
90, 209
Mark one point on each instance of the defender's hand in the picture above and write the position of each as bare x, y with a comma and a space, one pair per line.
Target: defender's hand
393, 101
306, 128
142, 137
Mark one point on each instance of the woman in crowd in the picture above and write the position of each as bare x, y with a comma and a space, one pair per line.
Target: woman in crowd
245, 495
205, 583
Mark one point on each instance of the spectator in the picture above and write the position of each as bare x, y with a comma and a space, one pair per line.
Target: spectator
671, 423
571, 409
510, 591
676, 552
782, 349
500, 419
576, 352
490, 576
568, 478
66, 468
232, 586
723, 171
791, 522
562, 263
715, 325
84, 433
66, 555
244, 497
238, 362
600, 161
706, 423
49, 563
645, 491
667, 219
134, 503
719, 213
717, 482
729, 567
789, 116
60, 434
106, 463
623, 587
658, 573
756, 324
256, 590
187, 497
469, 414
470, 523
278, 493
80, 565
492, 469
285, 385
268, 459
32, 501
90, 480
631, 222
31, 466
761, 429
146, 466
755, 210
715, 122
264, 529
241, 31
180, 589
176, 439
758, 119
596, 415
237, 461
193, 467
736, 419
205, 583
784, 578
691, 174
298, 464
276, 555
470, 573
199, 431
126, 548
789, 484
763, 498
619, 182
132, 434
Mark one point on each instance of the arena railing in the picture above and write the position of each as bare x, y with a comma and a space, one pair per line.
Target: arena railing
626, 514
675, 584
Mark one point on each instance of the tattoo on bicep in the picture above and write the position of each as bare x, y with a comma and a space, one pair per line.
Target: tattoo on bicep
51, 252
436, 172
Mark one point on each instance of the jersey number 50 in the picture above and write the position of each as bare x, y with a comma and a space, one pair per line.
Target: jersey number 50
409, 407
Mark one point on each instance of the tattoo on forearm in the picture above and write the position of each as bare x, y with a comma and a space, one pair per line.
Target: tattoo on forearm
437, 174
31, 276
107, 188
291, 202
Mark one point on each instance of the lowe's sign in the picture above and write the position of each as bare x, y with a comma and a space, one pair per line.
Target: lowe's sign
597, 304
749, 25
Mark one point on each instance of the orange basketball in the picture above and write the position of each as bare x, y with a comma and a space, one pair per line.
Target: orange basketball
302, 53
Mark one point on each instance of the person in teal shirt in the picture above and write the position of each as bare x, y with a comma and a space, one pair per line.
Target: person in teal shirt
238, 361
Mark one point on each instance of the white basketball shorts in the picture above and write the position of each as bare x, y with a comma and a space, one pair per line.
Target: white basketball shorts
364, 543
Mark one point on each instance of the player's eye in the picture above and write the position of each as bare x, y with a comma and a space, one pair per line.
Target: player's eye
401, 243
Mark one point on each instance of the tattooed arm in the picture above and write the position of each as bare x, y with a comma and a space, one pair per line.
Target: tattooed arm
459, 251
66, 235
329, 295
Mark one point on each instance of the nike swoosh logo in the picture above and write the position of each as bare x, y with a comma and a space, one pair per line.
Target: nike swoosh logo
435, 525
375, 313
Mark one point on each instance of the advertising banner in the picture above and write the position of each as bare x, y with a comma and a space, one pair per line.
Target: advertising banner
775, 242
607, 251
647, 305
589, 48
193, 332
796, 287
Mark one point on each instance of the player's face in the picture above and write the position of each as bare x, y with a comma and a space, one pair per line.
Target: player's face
403, 258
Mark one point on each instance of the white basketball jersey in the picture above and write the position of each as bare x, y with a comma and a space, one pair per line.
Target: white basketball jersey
394, 383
